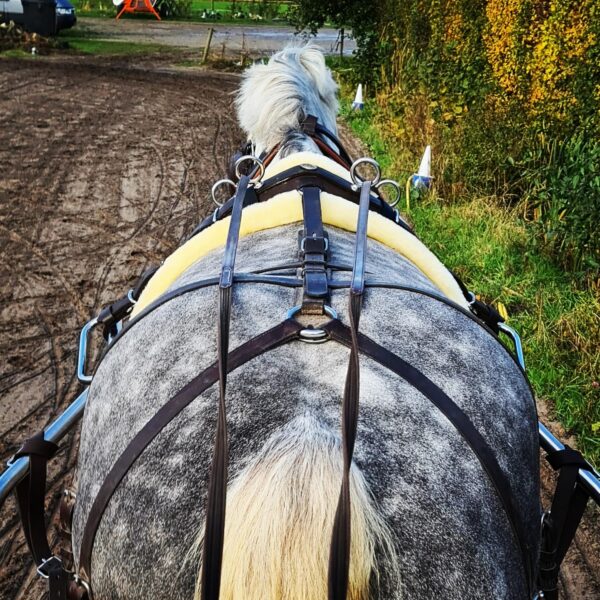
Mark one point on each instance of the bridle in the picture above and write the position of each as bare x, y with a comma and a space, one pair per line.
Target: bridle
317, 132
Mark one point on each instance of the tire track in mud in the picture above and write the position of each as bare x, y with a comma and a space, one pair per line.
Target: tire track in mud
109, 168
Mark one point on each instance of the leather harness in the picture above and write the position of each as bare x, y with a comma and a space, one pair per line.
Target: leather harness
316, 284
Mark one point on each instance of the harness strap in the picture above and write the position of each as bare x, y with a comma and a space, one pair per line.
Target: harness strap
214, 531
112, 314
560, 524
342, 334
31, 495
314, 246
279, 335
298, 177
483, 311
311, 127
339, 555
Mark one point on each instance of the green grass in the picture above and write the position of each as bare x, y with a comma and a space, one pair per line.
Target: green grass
493, 250
103, 47
87, 43
16, 53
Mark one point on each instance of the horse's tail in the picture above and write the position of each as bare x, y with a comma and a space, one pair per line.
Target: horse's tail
280, 512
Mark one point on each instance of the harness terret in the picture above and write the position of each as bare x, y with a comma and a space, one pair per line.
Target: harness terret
314, 278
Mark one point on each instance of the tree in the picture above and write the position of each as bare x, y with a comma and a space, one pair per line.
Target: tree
359, 16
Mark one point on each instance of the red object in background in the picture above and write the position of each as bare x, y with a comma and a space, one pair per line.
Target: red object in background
130, 6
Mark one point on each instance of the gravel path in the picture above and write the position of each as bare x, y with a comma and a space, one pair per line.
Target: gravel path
228, 40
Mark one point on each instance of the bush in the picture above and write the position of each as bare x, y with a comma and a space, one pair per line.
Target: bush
508, 94
563, 193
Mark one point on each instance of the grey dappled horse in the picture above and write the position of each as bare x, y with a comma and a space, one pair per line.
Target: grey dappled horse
426, 522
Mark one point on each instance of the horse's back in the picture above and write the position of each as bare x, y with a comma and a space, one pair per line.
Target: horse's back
452, 535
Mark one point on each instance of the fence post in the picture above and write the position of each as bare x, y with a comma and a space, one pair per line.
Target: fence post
207, 47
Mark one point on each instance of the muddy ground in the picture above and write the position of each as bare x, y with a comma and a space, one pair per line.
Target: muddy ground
105, 166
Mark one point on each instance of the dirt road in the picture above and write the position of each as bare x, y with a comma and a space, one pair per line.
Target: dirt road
104, 169
229, 39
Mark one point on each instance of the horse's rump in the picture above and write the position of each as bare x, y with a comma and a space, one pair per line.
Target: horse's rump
451, 534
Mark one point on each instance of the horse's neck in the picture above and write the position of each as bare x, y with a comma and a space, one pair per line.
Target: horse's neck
292, 144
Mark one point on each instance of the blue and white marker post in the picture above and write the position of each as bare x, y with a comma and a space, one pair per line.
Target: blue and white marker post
358, 103
422, 179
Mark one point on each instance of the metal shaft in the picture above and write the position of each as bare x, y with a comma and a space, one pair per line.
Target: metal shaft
588, 479
53, 433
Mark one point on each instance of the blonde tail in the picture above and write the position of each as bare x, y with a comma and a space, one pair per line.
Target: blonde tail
280, 512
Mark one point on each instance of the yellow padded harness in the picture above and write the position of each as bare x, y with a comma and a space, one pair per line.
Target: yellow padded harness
285, 209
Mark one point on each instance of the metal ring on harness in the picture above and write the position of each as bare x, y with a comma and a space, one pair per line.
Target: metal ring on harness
368, 161
83, 583
216, 186
313, 335
393, 184
254, 159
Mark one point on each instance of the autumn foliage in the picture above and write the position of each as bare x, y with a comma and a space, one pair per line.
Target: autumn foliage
508, 91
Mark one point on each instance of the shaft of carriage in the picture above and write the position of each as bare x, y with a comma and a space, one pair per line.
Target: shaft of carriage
18, 469
588, 479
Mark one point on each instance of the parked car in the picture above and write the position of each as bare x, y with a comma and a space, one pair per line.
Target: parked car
12, 10
65, 15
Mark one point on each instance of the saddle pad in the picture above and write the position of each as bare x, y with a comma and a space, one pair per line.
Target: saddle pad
286, 208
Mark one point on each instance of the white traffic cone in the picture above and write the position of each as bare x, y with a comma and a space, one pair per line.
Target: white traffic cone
358, 103
423, 177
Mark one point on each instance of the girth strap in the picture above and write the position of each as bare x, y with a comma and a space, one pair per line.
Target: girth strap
279, 335
212, 553
560, 524
342, 334
313, 251
339, 554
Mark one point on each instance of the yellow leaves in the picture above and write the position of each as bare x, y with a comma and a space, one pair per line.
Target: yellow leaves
535, 55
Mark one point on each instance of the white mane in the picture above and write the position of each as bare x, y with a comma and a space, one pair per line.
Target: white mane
275, 98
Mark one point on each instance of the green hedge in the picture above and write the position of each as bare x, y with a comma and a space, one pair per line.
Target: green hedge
508, 93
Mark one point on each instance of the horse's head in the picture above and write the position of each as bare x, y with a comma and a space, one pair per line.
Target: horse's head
276, 98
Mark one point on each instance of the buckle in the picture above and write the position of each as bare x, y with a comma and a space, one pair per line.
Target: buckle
314, 245
43, 569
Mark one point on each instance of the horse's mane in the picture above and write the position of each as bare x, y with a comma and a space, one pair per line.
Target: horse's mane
276, 97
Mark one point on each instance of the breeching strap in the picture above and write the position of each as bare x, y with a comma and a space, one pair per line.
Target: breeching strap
279, 335
212, 552
339, 554
344, 335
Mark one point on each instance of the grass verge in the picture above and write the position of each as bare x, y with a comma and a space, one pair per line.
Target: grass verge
277, 15
493, 250
85, 42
